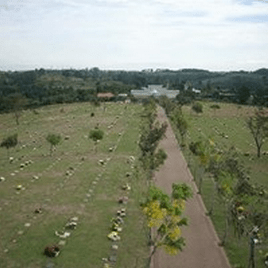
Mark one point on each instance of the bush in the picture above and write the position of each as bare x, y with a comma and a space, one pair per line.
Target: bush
10, 141
181, 123
160, 158
215, 106
96, 134
197, 107
196, 147
96, 103
53, 139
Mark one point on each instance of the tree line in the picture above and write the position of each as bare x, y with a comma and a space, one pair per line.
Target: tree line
43, 87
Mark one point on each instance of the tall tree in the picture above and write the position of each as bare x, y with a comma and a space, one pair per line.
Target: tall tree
197, 107
54, 140
9, 142
258, 126
180, 123
16, 104
96, 135
167, 104
185, 97
243, 94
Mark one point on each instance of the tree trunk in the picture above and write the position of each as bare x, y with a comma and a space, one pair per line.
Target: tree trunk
153, 250
213, 199
17, 120
17, 115
259, 145
200, 184
251, 261
259, 151
224, 238
200, 175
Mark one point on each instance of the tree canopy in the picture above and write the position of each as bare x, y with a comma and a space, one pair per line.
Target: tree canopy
10, 141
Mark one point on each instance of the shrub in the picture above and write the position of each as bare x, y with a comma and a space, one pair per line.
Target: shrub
181, 123
160, 158
196, 147
54, 140
10, 141
197, 107
215, 106
96, 103
96, 134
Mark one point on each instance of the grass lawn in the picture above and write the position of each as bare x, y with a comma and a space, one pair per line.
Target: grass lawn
227, 127
71, 183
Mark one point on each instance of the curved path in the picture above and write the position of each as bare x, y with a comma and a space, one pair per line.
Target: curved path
202, 250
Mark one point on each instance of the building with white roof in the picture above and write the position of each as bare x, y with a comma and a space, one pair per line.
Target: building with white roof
155, 91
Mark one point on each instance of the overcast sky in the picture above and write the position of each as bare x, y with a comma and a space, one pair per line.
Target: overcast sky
217, 35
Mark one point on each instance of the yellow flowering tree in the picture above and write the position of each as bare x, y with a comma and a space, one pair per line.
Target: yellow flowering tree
164, 217
207, 154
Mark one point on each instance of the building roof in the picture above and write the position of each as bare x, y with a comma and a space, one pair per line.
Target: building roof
154, 90
122, 95
105, 95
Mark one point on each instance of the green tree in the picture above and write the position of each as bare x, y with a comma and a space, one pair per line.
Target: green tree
250, 218
224, 161
54, 140
9, 142
180, 123
151, 137
243, 94
96, 135
229, 191
206, 153
148, 144
258, 126
197, 107
149, 112
16, 103
225, 191
215, 107
159, 158
164, 217
185, 97
167, 104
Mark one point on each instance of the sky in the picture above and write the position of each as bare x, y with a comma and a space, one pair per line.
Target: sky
216, 35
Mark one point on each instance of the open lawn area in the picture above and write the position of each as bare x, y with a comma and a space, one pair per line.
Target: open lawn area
78, 185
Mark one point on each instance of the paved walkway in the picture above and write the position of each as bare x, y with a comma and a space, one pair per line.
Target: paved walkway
202, 250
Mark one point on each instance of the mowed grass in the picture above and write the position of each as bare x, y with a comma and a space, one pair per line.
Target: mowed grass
71, 183
227, 127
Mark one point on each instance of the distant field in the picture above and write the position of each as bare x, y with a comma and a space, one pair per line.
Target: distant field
227, 127
71, 183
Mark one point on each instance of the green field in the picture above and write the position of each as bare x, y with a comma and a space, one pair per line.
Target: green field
227, 127
71, 183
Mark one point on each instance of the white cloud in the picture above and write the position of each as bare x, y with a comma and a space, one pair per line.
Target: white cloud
134, 33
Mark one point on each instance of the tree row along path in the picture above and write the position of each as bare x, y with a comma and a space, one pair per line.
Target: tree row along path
201, 250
